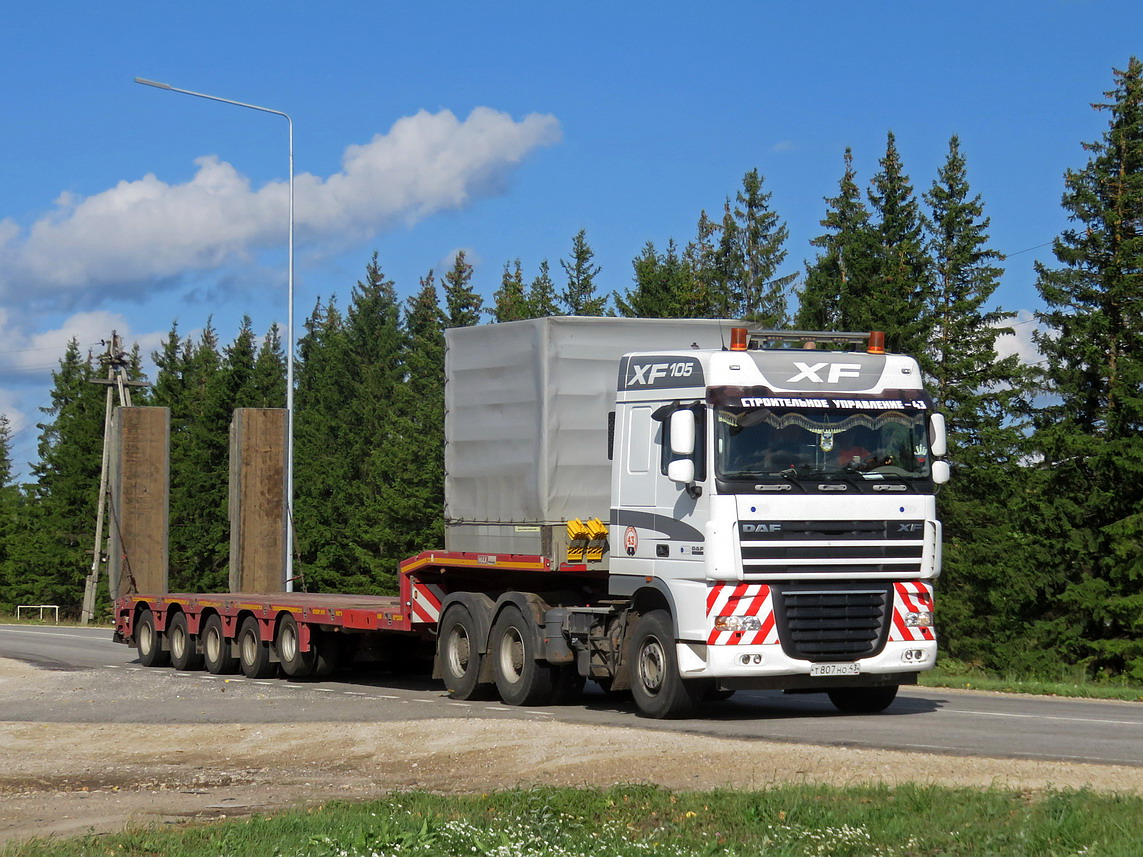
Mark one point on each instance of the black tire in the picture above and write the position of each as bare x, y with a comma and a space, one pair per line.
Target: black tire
658, 689
184, 648
216, 648
513, 646
567, 685
149, 642
288, 643
327, 653
253, 653
863, 700
458, 653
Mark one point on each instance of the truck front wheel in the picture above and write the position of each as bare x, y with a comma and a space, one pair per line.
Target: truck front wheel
150, 642
862, 700
458, 653
656, 685
520, 678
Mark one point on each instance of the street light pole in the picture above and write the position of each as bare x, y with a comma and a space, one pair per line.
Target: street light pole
289, 570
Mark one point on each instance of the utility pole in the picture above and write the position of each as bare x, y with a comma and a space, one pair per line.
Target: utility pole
115, 359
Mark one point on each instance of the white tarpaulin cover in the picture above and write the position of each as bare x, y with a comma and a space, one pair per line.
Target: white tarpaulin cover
527, 406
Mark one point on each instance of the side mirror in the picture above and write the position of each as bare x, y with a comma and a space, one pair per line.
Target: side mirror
938, 438
682, 470
941, 472
683, 434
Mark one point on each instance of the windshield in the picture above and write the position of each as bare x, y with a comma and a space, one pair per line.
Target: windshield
785, 443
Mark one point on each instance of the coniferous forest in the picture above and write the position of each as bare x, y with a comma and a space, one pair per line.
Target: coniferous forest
1043, 519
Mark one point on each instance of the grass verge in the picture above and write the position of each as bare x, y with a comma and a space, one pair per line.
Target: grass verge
790, 821
1071, 682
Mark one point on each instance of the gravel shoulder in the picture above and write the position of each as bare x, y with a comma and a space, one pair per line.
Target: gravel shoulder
67, 778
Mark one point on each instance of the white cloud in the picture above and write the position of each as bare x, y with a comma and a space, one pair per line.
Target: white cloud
783, 146
1020, 341
147, 230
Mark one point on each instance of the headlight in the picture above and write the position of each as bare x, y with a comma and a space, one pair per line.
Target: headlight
737, 623
920, 619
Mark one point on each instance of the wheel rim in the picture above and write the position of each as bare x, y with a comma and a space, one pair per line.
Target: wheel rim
458, 650
146, 638
652, 665
213, 644
288, 643
511, 654
249, 650
178, 640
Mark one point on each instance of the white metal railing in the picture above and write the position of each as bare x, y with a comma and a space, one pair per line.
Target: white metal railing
41, 607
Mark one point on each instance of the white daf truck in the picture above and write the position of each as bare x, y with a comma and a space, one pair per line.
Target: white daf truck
747, 510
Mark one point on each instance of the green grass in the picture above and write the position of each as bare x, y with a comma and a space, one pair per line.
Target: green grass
791, 821
1070, 681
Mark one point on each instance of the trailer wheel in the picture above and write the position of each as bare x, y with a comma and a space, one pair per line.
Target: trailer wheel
458, 653
184, 651
150, 642
862, 700
520, 678
657, 687
253, 654
295, 662
216, 648
327, 653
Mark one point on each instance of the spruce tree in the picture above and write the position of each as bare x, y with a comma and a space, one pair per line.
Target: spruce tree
896, 300
323, 441
57, 530
1089, 433
9, 517
511, 299
199, 537
412, 453
836, 292
463, 303
979, 394
664, 285
579, 296
761, 294
542, 294
374, 349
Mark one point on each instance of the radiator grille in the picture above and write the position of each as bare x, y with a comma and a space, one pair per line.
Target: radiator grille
833, 623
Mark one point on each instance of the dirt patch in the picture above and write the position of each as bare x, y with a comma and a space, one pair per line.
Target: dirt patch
66, 778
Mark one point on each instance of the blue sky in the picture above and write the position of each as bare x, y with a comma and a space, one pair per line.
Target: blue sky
498, 128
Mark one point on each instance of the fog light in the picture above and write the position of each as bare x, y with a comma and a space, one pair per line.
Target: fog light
745, 660
920, 619
737, 623
912, 656
757, 659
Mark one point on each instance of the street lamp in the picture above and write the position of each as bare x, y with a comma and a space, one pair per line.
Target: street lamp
289, 324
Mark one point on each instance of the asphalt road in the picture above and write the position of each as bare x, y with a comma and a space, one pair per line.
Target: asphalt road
107, 684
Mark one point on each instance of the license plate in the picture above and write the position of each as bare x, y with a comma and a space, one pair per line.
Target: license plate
835, 669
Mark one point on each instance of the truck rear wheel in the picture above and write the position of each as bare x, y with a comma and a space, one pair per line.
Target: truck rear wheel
216, 648
458, 653
657, 687
184, 652
150, 642
520, 678
253, 653
295, 662
862, 700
